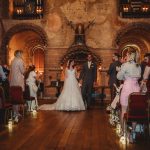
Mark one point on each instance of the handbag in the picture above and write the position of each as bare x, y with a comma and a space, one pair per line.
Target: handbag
143, 88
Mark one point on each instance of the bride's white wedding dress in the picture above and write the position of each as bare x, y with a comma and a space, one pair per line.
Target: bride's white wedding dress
70, 98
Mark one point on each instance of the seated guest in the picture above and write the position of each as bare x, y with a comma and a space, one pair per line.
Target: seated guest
5, 83
6, 70
145, 84
144, 63
2, 74
130, 72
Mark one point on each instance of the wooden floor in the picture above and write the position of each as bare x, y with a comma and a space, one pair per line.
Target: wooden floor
53, 130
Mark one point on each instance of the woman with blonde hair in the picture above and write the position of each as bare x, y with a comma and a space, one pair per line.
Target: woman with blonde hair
130, 73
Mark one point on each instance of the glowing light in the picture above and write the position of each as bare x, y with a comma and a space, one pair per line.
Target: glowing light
118, 128
61, 67
123, 140
34, 114
10, 125
145, 8
100, 68
125, 8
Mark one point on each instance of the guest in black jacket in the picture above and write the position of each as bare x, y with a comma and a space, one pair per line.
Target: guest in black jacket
112, 72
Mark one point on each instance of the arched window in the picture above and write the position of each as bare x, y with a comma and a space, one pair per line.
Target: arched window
38, 59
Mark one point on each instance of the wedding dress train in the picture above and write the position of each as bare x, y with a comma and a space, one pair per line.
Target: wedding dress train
70, 98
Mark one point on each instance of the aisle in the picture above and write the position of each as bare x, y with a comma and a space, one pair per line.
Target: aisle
53, 130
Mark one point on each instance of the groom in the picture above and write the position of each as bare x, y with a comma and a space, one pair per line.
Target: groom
87, 79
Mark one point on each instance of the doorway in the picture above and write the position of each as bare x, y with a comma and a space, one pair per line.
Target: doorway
38, 59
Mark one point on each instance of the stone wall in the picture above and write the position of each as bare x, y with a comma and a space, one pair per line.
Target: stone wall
100, 36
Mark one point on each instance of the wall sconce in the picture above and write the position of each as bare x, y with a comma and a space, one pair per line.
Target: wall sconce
145, 8
125, 8
39, 10
39, 2
19, 11
10, 125
100, 68
61, 67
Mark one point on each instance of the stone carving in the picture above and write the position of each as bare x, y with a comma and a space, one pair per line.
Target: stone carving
80, 29
86, 10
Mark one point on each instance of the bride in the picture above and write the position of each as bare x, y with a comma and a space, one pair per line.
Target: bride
70, 98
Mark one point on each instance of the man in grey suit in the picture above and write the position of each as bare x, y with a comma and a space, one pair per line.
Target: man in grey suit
87, 79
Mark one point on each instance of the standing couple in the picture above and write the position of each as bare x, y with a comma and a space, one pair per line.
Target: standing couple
73, 98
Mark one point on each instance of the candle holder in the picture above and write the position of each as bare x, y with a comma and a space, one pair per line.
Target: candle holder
31, 9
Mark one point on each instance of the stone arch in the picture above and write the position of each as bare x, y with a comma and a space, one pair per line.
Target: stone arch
23, 27
30, 46
134, 33
79, 53
141, 27
130, 40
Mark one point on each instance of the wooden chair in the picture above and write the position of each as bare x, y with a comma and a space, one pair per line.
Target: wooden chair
5, 106
27, 97
16, 97
137, 111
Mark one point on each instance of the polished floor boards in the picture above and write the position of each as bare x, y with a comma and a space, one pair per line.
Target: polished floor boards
53, 130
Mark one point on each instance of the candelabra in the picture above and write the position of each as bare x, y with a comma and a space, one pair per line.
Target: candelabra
28, 9
135, 9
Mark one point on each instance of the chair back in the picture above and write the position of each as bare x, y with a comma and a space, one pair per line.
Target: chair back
148, 86
1, 105
2, 96
26, 93
16, 95
137, 104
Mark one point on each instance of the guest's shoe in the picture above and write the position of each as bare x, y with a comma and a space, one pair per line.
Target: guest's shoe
28, 110
31, 110
36, 107
16, 119
85, 104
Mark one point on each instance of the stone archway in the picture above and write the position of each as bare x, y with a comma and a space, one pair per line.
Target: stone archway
79, 54
40, 40
134, 34
20, 28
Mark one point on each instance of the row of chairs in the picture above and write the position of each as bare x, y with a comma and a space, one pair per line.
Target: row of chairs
138, 111
16, 97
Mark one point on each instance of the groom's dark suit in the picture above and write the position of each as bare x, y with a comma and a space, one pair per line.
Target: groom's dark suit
88, 76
